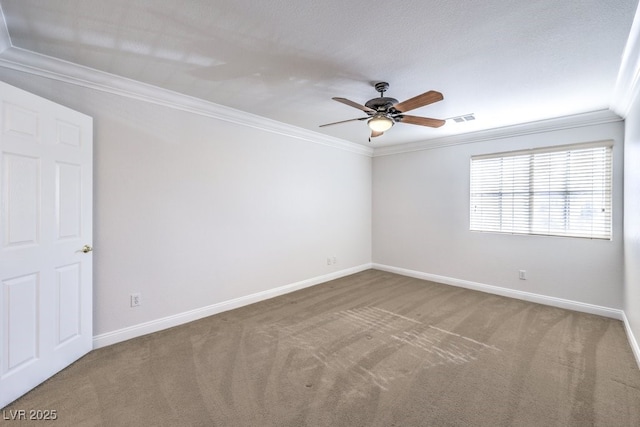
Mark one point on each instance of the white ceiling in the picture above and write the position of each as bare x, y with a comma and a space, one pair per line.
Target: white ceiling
506, 61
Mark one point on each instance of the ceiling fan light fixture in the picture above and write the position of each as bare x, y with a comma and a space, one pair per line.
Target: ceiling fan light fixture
380, 123
383, 112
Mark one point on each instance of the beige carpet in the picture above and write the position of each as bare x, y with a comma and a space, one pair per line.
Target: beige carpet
371, 349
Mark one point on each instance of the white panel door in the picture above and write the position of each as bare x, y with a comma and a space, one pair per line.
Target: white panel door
45, 223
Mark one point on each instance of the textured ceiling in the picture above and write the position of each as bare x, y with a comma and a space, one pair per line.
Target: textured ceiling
506, 61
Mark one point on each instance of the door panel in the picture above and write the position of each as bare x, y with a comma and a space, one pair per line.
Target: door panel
68, 134
20, 121
68, 200
21, 192
68, 297
21, 321
45, 220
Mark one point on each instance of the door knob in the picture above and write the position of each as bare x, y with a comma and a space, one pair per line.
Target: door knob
86, 249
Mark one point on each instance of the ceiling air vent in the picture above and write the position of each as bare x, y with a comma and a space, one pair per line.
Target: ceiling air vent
463, 118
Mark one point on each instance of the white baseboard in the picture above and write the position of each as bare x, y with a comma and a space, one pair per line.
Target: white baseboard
138, 330
635, 348
511, 293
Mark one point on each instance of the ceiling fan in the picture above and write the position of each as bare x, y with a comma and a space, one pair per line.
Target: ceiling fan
383, 112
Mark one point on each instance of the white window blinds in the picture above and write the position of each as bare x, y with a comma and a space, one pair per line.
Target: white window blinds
559, 191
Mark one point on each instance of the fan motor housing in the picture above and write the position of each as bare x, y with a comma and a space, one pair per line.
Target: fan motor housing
382, 103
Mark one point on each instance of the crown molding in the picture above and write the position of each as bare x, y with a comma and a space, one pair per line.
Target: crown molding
530, 128
68, 72
627, 86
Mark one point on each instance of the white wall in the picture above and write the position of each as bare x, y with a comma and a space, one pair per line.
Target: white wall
632, 221
421, 224
192, 211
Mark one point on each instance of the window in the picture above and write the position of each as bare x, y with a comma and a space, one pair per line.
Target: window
557, 191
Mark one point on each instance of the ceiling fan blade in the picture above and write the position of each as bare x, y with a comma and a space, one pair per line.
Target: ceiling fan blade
354, 105
419, 101
374, 134
422, 121
343, 121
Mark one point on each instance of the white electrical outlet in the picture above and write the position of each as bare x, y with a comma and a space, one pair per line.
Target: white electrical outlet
328, 261
135, 299
522, 274
334, 260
